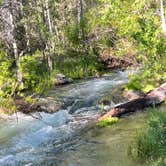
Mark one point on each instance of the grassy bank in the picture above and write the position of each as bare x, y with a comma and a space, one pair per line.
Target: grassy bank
150, 143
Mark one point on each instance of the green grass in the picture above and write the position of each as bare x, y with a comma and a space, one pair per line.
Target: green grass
107, 122
150, 144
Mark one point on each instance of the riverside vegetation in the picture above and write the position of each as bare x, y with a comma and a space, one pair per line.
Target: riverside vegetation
39, 39
150, 143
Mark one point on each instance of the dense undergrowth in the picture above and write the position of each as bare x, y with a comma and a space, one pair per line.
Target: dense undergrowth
78, 65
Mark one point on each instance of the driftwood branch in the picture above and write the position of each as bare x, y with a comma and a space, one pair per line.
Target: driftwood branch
153, 98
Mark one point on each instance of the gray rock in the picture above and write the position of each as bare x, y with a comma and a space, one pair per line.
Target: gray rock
49, 105
61, 79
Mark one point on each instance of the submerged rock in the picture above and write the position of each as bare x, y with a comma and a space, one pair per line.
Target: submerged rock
49, 105
61, 79
41, 105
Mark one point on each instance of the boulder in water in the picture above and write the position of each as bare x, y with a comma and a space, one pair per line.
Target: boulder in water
43, 105
61, 79
49, 105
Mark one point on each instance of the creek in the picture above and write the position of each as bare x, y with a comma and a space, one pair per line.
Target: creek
64, 138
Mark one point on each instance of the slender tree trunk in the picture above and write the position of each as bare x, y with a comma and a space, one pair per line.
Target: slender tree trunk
80, 11
48, 16
49, 43
49, 58
163, 17
50, 62
25, 27
80, 21
15, 47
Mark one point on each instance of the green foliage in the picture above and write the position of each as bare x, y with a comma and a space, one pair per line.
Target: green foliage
160, 162
7, 83
107, 122
151, 142
34, 72
78, 66
6, 77
144, 81
136, 32
142, 28
72, 34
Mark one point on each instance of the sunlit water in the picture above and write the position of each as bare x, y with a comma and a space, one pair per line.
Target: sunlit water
61, 139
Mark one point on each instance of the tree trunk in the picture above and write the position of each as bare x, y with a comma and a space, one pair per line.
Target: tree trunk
49, 43
80, 19
25, 27
154, 98
48, 16
163, 17
15, 47
48, 52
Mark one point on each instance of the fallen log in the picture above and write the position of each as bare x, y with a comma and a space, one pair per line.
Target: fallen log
153, 98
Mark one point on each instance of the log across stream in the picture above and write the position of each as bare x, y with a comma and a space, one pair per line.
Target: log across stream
153, 98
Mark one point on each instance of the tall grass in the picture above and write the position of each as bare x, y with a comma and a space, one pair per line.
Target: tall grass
150, 144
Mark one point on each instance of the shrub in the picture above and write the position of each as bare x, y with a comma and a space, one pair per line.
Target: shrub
33, 71
7, 81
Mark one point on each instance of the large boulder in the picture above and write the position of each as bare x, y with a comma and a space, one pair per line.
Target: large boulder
49, 105
61, 79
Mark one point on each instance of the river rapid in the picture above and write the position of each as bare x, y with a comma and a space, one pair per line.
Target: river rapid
64, 138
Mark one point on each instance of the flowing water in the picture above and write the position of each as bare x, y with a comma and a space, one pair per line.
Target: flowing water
63, 138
